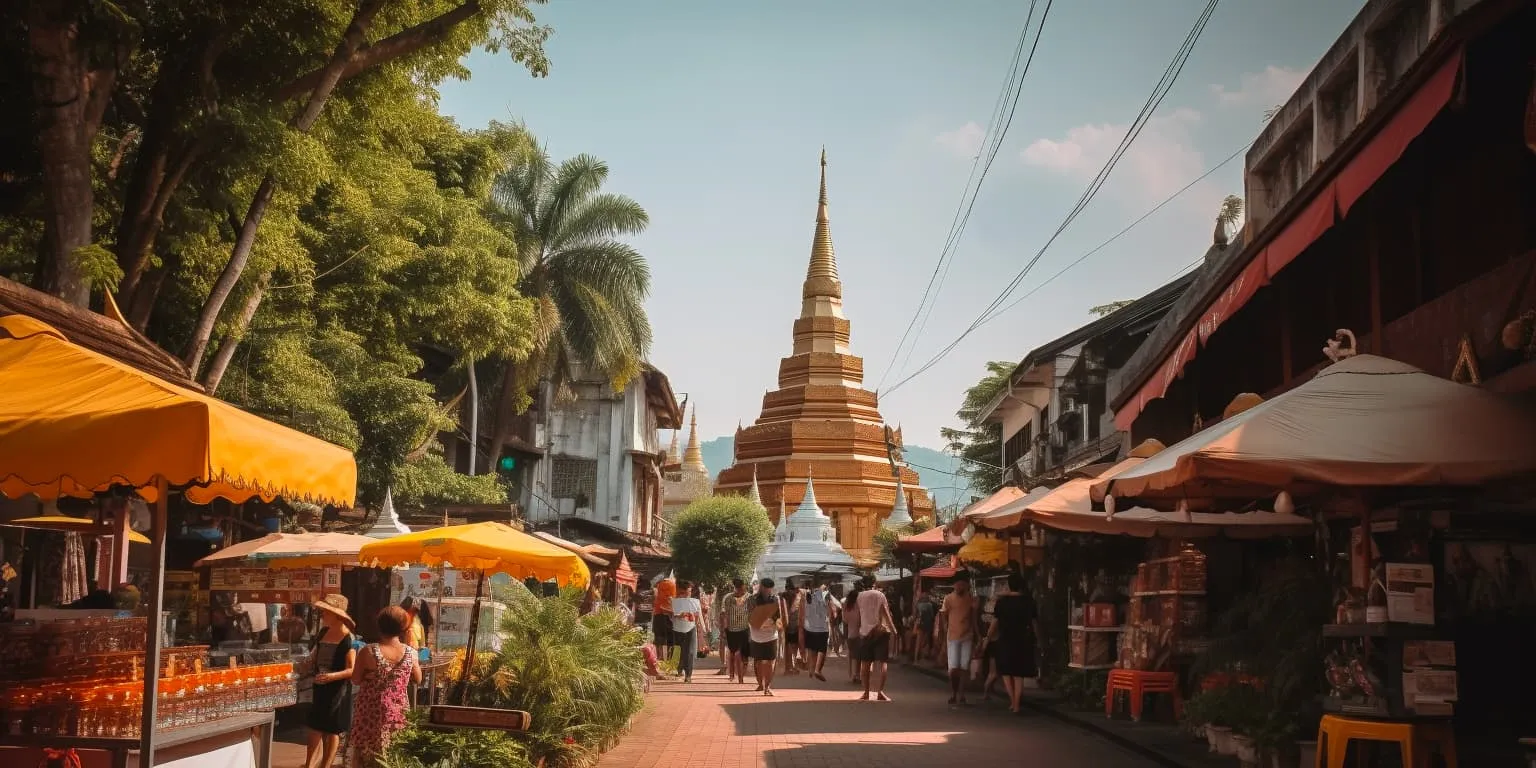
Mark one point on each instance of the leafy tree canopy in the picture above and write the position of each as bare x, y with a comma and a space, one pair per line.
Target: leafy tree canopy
719, 538
978, 444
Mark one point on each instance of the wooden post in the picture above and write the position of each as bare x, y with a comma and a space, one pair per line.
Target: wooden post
1373, 261
152, 638
469, 652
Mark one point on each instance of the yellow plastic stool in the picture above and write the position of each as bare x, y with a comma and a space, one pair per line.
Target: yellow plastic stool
1416, 740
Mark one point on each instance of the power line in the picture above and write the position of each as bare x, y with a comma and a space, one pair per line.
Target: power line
1159, 92
997, 129
1117, 235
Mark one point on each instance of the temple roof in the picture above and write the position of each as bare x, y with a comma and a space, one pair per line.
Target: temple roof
693, 455
805, 543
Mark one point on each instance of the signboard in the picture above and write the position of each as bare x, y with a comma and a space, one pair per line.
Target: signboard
444, 716
424, 583
262, 585
453, 625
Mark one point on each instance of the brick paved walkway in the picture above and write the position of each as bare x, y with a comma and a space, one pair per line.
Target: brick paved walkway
712, 724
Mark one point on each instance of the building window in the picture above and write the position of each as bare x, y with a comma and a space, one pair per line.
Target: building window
574, 478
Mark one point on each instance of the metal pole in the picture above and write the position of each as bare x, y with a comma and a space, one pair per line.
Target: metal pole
474, 418
152, 634
469, 652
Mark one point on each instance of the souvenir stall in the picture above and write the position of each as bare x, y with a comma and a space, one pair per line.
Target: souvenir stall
109, 685
1406, 469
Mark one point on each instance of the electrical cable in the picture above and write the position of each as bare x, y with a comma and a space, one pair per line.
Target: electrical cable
1170, 76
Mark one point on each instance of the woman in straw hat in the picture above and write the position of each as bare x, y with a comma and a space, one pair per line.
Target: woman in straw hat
330, 714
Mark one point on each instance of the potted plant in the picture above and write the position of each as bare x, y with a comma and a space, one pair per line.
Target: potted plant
1213, 709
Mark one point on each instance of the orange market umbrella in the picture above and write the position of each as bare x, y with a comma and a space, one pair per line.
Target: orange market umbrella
1363, 422
74, 422
990, 503
291, 550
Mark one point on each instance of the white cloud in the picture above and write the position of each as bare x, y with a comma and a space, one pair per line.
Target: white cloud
1161, 160
964, 141
1271, 87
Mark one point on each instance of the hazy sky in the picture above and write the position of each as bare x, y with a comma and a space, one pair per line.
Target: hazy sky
711, 115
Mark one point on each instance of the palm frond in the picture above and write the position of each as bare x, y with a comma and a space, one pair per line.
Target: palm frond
597, 220
609, 267
570, 185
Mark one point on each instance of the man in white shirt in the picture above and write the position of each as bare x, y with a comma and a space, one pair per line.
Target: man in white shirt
686, 615
815, 627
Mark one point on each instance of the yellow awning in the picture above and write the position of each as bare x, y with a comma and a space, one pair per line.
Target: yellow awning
74, 422
69, 524
489, 547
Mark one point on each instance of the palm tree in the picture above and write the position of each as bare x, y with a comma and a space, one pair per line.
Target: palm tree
590, 287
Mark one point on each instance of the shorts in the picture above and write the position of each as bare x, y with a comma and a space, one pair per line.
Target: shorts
765, 651
855, 648
661, 628
791, 639
737, 642
960, 653
815, 642
875, 649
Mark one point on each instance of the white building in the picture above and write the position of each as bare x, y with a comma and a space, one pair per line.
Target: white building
604, 454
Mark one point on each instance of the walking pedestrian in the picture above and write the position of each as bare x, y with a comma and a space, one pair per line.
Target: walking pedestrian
686, 617
1016, 633
926, 613
792, 639
851, 631
734, 614
661, 616
385, 670
330, 711
766, 620
959, 617
876, 629
815, 627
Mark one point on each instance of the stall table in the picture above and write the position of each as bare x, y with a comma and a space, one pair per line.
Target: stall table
239, 741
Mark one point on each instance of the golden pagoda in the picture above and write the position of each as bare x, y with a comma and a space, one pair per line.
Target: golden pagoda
822, 421
687, 480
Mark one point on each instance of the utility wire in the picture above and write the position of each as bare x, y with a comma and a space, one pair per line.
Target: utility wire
1170, 76
997, 128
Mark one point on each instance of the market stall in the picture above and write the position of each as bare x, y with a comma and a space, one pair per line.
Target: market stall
76, 423
1420, 481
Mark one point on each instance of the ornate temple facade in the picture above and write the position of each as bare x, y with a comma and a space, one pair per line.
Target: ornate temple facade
822, 421
685, 479
805, 544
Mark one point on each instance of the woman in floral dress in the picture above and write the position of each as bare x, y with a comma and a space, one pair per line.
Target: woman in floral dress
385, 672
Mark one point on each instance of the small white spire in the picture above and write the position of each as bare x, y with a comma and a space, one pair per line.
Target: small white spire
900, 514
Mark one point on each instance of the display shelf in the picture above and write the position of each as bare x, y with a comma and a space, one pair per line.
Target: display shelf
1115, 630
1387, 630
1171, 593
1090, 667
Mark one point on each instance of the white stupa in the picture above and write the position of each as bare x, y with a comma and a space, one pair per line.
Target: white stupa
387, 525
900, 515
805, 544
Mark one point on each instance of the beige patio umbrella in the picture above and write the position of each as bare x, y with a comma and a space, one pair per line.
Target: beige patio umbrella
991, 503
1363, 422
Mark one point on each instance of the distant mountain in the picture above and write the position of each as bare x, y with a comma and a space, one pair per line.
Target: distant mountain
935, 468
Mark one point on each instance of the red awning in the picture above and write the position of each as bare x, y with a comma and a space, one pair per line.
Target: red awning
931, 540
940, 571
1393, 139
1335, 199
624, 574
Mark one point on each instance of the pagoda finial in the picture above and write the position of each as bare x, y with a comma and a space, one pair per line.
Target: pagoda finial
753, 495
808, 506
693, 456
673, 457
821, 275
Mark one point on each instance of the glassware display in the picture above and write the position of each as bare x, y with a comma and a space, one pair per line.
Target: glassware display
87, 681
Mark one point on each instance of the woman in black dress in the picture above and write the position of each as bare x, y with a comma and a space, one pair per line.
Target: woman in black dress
330, 713
1014, 629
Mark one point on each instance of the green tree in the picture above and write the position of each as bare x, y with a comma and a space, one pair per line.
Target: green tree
588, 286
719, 538
977, 443
1103, 310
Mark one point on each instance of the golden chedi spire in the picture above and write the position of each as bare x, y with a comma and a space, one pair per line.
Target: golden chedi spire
821, 274
693, 456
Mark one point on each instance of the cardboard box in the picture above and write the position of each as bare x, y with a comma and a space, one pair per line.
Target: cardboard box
1411, 593
1099, 615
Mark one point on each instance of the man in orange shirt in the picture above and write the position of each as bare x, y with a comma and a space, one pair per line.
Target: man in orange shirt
661, 616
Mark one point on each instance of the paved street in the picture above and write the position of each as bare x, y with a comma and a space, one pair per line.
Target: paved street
822, 725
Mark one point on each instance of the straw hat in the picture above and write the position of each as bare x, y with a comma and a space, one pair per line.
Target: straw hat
336, 605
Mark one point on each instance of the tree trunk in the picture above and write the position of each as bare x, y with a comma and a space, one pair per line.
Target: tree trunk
142, 304
70, 99
220, 362
352, 40
401, 43
506, 415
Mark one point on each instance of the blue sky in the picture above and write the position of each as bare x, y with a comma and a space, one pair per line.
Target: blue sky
711, 115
